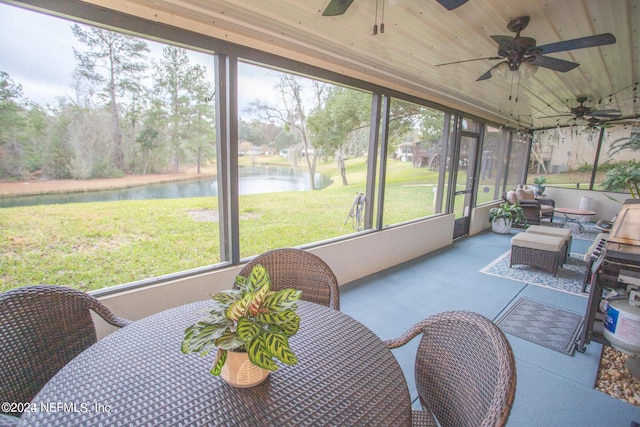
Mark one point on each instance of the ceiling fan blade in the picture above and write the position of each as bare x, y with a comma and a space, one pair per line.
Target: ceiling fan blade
553, 63
581, 43
487, 75
616, 123
452, 4
602, 114
506, 43
558, 115
609, 111
469, 60
337, 7
623, 121
607, 114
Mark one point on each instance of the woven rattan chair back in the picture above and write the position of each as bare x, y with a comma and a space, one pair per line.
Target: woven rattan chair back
302, 270
465, 370
41, 329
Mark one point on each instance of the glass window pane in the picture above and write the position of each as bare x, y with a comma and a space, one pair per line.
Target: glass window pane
136, 123
517, 160
619, 163
415, 159
565, 156
291, 129
492, 164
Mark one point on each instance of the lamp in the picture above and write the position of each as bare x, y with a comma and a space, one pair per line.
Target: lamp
527, 70
502, 70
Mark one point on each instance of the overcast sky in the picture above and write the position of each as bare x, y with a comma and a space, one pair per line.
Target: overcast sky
36, 51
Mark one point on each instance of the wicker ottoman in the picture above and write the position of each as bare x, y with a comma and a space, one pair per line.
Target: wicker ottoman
538, 250
556, 232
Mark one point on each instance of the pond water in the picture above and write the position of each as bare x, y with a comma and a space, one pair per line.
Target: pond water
251, 180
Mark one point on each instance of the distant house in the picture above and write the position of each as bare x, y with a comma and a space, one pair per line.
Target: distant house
404, 151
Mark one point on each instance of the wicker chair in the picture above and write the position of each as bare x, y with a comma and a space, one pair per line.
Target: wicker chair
534, 209
302, 270
465, 371
41, 329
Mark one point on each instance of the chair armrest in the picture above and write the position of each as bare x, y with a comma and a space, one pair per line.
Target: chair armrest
548, 202
529, 203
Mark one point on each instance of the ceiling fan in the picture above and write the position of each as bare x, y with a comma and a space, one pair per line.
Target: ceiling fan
598, 123
583, 113
520, 50
338, 7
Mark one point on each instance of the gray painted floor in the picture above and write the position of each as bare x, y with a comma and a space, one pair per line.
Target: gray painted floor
553, 389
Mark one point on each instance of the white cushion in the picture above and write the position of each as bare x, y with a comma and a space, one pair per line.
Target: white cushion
546, 208
523, 194
550, 231
538, 241
511, 197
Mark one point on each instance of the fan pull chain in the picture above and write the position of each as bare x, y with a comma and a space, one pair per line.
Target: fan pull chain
375, 21
375, 25
511, 88
518, 87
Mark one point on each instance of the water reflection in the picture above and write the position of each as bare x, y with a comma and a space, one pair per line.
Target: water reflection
251, 180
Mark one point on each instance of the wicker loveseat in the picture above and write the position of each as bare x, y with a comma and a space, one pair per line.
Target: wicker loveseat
534, 209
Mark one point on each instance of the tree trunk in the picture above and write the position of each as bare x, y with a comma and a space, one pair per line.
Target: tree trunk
118, 156
341, 166
176, 163
311, 165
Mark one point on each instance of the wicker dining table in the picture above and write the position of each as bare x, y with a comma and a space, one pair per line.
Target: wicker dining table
138, 376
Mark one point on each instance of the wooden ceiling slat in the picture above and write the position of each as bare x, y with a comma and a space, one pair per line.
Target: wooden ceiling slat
420, 34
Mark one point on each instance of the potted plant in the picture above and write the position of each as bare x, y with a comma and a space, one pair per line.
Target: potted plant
502, 217
539, 183
249, 326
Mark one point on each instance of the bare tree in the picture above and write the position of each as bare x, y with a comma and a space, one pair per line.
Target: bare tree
292, 114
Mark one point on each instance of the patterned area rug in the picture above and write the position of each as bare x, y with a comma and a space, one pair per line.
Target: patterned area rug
589, 229
568, 279
542, 324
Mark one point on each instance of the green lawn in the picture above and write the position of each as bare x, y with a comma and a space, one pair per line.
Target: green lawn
93, 245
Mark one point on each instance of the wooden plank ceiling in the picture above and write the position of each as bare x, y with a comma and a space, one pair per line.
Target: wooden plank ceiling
419, 34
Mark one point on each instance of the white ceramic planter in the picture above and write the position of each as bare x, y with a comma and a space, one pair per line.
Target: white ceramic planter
501, 226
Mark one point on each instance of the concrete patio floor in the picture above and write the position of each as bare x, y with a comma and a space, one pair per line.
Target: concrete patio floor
553, 389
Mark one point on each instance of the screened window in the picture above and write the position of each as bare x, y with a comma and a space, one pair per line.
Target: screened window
416, 156
567, 156
493, 164
94, 109
302, 149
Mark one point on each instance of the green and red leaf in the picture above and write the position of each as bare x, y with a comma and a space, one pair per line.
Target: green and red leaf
247, 329
239, 308
277, 345
259, 356
282, 300
221, 357
227, 297
258, 279
229, 341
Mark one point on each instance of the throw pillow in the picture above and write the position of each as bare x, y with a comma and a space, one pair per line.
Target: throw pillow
523, 194
511, 197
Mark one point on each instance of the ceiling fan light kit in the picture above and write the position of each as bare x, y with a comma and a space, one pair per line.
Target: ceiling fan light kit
527, 70
501, 71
